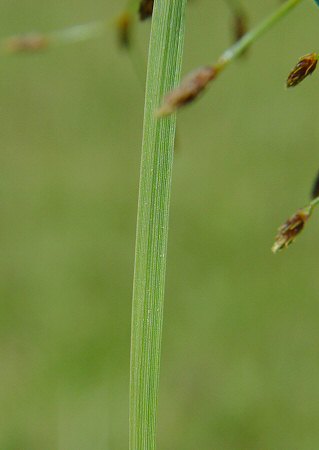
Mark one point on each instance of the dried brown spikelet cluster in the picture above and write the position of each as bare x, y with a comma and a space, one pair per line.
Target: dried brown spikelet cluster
189, 89
291, 228
27, 43
146, 9
305, 66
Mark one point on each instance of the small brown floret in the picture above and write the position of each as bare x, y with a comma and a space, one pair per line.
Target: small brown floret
290, 229
189, 89
240, 26
305, 66
124, 25
27, 43
146, 9
315, 188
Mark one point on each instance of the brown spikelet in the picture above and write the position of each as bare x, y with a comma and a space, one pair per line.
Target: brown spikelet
192, 85
240, 26
124, 27
305, 66
315, 188
27, 43
291, 228
146, 9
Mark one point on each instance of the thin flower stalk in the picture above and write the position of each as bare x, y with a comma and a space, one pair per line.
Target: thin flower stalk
31, 42
186, 92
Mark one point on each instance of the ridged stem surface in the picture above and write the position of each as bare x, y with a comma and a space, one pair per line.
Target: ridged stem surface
164, 67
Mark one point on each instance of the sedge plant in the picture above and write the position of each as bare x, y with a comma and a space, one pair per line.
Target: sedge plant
164, 95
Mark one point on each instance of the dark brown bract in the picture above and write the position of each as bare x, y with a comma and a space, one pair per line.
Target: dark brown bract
290, 229
146, 9
305, 66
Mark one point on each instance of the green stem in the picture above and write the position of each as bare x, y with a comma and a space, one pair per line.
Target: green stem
314, 203
41, 41
78, 33
164, 67
240, 46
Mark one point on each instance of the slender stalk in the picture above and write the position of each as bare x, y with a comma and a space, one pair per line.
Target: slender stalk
164, 66
314, 202
78, 33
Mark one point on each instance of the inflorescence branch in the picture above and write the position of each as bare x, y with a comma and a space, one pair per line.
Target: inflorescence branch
197, 81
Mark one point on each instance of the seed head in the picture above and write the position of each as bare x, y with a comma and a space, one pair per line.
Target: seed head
146, 9
305, 66
290, 229
192, 85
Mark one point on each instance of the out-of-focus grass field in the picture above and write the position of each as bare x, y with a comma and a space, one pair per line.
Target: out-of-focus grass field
240, 366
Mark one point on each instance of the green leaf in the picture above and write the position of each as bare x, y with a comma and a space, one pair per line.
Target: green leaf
164, 67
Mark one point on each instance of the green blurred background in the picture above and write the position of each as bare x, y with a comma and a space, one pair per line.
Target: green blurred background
240, 359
